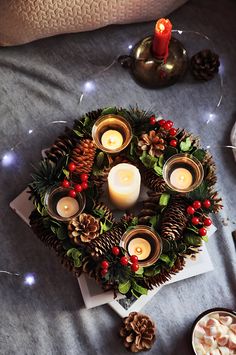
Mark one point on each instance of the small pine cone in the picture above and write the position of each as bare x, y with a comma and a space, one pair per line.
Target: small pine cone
83, 228
150, 208
138, 332
62, 146
99, 181
174, 218
205, 64
210, 169
83, 157
104, 243
152, 180
89, 267
108, 215
153, 143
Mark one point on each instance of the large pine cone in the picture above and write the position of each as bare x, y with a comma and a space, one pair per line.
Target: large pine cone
152, 143
174, 219
62, 146
150, 208
138, 332
107, 213
83, 228
83, 157
152, 180
205, 64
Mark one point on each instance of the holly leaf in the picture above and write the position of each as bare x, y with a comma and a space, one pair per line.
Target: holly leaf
199, 154
192, 239
108, 110
205, 238
186, 145
77, 262
78, 133
136, 287
66, 173
99, 212
124, 287
147, 160
62, 233
164, 199
161, 161
139, 271
154, 220
157, 169
153, 271
105, 226
166, 259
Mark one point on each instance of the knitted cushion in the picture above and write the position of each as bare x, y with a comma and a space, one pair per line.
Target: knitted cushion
22, 21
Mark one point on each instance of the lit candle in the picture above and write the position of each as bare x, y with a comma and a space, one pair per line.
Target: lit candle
181, 178
112, 139
140, 247
67, 207
161, 39
124, 185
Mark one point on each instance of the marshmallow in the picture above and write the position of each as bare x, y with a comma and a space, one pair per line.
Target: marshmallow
208, 340
232, 341
199, 349
212, 323
199, 332
214, 331
223, 340
215, 316
233, 327
224, 350
227, 320
222, 330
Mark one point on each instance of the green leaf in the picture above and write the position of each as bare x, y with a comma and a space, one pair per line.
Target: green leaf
165, 258
154, 220
78, 133
157, 169
205, 238
134, 221
105, 226
139, 271
66, 172
132, 149
192, 240
99, 212
199, 154
77, 262
109, 110
62, 233
138, 288
200, 193
86, 121
161, 161
71, 252
148, 160
54, 229
100, 159
124, 287
152, 271
135, 294
186, 145
164, 199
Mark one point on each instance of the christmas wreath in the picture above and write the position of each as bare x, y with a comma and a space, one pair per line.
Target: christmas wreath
90, 242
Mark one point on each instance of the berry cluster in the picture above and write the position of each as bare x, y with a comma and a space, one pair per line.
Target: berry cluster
76, 187
198, 218
167, 126
124, 261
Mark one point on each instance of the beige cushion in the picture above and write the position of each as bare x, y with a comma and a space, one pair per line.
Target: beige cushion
23, 21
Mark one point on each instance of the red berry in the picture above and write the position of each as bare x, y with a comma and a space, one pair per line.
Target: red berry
207, 222
161, 122
71, 167
206, 203
170, 123
104, 264
115, 251
195, 221
152, 120
84, 177
84, 185
173, 132
65, 183
134, 259
124, 261
197, 205
167, 126
104, 272
190, 210
134, 267
78, 188
72, 193
173, 142
202, 232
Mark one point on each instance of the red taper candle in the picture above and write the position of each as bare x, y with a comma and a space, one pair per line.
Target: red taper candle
161, 39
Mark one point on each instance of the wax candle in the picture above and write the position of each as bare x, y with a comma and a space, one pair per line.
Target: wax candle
124, 185
67, 207
161, 39
181, 178
112, 139
140, 247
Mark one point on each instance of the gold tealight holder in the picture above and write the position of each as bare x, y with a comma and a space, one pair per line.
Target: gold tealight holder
112, 133
183, 173
61, 206
143, 242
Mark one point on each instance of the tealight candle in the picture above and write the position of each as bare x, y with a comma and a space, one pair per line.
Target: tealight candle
124, 182
67, 207
181, 178
112, 139
140, 247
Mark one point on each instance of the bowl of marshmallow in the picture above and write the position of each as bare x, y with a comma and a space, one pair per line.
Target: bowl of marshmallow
214, 332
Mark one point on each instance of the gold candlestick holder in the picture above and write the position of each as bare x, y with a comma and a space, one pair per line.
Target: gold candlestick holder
112, 122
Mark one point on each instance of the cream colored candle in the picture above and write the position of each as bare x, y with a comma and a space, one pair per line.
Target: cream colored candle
124, 185
181, 178
112, 139
140, 247
67, 207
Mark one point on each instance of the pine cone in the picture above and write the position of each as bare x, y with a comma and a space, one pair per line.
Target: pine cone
83, 157
174, 218
104, 243
152, 180
138, 332
83, 228
99, 180
62, 146
152, 143
150, 208
108, 215
205, 64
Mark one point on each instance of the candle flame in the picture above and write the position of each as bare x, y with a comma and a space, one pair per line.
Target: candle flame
66, 207
138, 250
182, 178
111, 139
161, 27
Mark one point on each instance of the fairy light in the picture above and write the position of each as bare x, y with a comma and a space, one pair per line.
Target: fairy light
8, 159
29, 279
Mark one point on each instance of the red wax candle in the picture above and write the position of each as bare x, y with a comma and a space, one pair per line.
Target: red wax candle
162, 36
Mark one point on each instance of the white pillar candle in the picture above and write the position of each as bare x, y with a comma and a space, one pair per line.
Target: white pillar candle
112, 139
67, 207
124, 185
140, 247
181, 178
